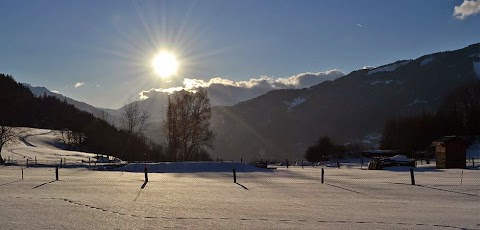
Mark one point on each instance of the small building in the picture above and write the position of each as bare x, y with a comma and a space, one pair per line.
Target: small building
450, 152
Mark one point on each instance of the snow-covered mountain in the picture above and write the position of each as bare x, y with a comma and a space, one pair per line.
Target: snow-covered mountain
283, 123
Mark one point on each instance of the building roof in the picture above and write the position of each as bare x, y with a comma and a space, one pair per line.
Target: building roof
449, 139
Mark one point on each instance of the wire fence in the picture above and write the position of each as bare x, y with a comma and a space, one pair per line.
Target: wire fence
347, 174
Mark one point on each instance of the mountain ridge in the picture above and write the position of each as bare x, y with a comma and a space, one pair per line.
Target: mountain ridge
346, 109
39, 91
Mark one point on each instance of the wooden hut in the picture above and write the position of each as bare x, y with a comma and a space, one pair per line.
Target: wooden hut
450, 152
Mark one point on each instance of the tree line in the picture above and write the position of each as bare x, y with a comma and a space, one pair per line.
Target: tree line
459, 114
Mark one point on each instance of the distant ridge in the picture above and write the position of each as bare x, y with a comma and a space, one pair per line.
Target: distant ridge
39, 91
282, 123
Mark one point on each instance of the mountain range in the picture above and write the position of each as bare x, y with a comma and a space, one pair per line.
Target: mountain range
350, 109
283, 123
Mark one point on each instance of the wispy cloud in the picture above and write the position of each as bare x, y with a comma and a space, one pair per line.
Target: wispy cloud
55, 91
224, 91
467, 8
79, 84
359, 25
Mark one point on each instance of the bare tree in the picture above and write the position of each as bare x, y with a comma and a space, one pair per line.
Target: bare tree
134, 119
187, 124
71, 140
9, 135
104, 115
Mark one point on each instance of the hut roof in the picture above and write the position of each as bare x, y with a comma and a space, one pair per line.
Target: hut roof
449, 139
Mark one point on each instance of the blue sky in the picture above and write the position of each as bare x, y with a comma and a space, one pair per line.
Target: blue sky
108, 45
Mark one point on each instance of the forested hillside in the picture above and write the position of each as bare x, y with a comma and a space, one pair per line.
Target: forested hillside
19, 107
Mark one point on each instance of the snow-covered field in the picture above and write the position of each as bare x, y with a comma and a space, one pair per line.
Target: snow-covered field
291, 198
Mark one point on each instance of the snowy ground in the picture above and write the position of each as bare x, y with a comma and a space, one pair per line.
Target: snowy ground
291, 198
43, 145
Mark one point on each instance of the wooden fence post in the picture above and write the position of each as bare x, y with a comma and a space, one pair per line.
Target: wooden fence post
461, 179
22, 172
56, 172
323, 175
234, 176
412, 176
146, 174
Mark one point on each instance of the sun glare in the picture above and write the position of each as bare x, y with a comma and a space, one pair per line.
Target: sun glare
165, 64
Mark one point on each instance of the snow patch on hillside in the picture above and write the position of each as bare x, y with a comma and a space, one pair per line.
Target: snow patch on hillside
476, 68
386, 82
388, 68
295, 102
427, 60
417, 101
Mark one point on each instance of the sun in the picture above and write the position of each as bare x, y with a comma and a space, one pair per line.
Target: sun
165, 64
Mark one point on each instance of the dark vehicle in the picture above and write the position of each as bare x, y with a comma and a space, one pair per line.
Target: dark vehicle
397, 160
261, 164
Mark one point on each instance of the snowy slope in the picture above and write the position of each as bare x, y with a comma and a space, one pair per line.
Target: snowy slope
427, 60
476, 68
295, 102
43, 145
388, 68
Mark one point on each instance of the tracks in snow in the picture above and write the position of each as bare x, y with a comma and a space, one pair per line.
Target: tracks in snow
286, 220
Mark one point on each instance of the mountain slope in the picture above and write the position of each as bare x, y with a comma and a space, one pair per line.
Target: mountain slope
283, 123
40, 91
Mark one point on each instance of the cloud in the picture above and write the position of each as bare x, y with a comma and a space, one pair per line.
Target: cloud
368, 67
224, 91
467, 8
79, 84
359, 25
55, 91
